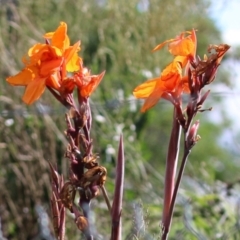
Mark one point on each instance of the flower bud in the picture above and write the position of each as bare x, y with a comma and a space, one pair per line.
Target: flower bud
192, 136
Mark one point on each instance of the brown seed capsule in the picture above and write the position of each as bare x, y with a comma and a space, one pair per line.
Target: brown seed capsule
67, 195
95, 175
82, 223
90, 162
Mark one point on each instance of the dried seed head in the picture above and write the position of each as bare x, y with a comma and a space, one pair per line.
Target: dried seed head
83, 115
92, 191
96, 175
209, 65
90, 161
72, 113
67, 195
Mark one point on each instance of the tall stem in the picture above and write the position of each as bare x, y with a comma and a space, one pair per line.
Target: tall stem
118, 194
171, 166
174, 196
179, 178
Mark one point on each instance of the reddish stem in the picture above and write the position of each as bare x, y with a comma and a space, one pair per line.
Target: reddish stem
118, 194
178, 181
171, 167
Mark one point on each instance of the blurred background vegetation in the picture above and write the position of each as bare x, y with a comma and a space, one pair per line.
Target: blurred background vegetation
116, 36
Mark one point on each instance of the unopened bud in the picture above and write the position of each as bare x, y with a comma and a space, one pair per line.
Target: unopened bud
192, 137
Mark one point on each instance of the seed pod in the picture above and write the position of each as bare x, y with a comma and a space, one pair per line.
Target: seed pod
67, 195
90, 162
95, 175
82, 223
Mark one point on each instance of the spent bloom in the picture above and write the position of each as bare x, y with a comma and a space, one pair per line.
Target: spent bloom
172, 79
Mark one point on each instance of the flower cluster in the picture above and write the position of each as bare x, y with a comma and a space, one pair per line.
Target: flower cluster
49, 65
172, 79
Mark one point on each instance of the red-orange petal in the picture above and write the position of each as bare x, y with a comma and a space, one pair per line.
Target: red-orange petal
171, 76
71, 57
183, 60
88, 89
35, 49
161, 45
181, 47
60, 38
33, 91
193, 36
48, 67
43, 52
184, 85
23, 78
152, 100
67, 86
146, 88
48, 35
54, 80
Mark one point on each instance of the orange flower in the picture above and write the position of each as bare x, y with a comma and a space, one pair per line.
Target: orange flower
60, 40
47, 64
153, 89
86, 82
171, 79
181, 45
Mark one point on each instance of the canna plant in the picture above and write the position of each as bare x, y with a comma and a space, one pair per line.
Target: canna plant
56, 66
186, 74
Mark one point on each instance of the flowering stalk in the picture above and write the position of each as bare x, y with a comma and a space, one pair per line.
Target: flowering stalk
167, 222
171, 85
187, 148
48, 66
